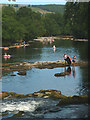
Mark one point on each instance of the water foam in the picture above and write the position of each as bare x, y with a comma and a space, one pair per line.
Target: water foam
20, 106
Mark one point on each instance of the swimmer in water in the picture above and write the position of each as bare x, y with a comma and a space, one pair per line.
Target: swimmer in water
54, 48
65, 58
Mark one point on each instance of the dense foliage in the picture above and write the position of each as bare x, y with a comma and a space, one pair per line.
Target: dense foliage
27, 25
24, 24
76, 19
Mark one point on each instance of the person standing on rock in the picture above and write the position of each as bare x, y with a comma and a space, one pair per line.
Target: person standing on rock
69, 60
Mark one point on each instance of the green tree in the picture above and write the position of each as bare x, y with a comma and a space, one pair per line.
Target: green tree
76, 19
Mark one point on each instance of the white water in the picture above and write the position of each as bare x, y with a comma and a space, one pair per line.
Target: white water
20, 106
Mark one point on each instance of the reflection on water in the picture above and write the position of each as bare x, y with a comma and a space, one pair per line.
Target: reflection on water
37, 79
70, 71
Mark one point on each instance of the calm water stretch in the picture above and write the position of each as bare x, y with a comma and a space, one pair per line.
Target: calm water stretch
36, 79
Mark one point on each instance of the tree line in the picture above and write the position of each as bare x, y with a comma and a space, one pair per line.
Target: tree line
24, 24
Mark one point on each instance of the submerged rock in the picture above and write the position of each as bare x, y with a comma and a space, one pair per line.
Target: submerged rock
61, 74
19, 114
21, 73
12, 75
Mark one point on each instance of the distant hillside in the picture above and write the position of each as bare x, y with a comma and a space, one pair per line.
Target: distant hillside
36, 9
51, 8
43, 9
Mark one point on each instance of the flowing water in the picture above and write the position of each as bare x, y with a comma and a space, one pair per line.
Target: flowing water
36, 79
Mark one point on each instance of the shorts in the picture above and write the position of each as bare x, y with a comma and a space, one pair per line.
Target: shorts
65, 59
73, 61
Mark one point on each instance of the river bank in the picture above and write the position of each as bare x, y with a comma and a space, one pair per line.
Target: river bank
48, 39
14, 46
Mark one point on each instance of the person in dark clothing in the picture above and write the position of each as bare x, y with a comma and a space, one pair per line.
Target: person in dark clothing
69, 61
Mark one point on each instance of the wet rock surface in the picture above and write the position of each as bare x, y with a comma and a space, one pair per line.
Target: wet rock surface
41, 93
50, 93
70, 112
40, 64
61, 74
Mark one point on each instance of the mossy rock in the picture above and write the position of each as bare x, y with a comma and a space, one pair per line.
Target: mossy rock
74, 100
56, 95
61, 74
4, 94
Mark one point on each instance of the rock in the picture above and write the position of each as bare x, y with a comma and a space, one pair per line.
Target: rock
41, 65
12, 75
17, 115
56, 95
46, 97
21, 73
73, 100
29, 95
38, 94
4, 94
53, 94
61, 74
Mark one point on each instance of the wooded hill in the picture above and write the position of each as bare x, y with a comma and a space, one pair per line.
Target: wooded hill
52, 8
40, 10
43, 9
25, 24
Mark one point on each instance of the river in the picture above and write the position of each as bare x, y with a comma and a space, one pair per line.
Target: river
36, 79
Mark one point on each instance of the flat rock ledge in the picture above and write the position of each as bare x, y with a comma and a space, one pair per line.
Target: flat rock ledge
41, 93
50, 93
20, 66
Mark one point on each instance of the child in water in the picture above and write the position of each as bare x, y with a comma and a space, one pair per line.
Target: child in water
54, 48
65, 58
74, 60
